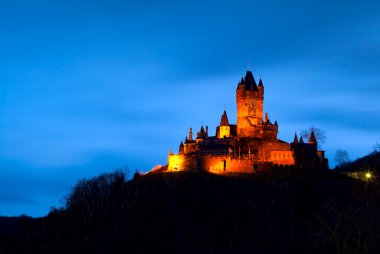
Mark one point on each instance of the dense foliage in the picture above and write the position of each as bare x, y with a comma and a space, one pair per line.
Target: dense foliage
194, 212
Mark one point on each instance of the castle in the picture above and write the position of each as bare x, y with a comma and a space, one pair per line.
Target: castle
247, 146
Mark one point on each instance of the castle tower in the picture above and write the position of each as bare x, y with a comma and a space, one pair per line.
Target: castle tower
249, 104
312, 139
224, 127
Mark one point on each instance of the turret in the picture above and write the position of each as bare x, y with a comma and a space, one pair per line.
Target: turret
312, 139
191, 134
266, 118
241, 84
224, 119
261, 87
224, 128
261, 83
201, 135
295, 141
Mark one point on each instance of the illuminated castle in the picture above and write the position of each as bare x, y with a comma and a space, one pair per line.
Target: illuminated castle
247, 146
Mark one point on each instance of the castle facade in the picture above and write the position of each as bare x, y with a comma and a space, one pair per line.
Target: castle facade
247, 146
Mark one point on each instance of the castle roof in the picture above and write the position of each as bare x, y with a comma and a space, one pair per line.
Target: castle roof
261, 82
312, 139
249, 81
202, 134
224, 120
295, 141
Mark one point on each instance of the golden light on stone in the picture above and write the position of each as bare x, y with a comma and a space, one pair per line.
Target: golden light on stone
247, 146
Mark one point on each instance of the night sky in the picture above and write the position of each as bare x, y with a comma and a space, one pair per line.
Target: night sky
92, 86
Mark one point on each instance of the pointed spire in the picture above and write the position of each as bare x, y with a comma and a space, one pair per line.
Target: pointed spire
242, 80
191, 134
224, 119
295, 141
202, 133
312, 139
181, 145
301, 140
275, 122
266, 118
261, 82
250, 82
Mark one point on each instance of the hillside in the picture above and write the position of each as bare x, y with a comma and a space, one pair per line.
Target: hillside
370, 162
194, 212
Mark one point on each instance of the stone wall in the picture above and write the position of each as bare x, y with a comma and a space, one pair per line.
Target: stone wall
212, 163
178, 162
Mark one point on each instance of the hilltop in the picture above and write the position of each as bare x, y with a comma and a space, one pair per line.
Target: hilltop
199, 212
370, 162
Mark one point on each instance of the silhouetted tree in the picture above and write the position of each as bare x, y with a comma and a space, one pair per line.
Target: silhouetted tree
198, 212
90, 193
320, 135
376, 147
341, 157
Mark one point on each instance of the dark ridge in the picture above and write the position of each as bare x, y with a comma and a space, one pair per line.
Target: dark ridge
370, 162
198, 212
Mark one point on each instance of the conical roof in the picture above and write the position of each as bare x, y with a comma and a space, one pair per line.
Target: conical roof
224, 120
295, 141
249, 81
202, 133
260, 82
312, 139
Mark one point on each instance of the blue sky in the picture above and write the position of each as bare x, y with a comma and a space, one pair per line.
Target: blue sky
91, 86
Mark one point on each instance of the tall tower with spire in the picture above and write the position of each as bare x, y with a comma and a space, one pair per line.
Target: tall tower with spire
249, 104
249, 145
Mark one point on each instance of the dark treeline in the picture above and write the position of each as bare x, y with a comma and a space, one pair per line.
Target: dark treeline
194, 212
370, 162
